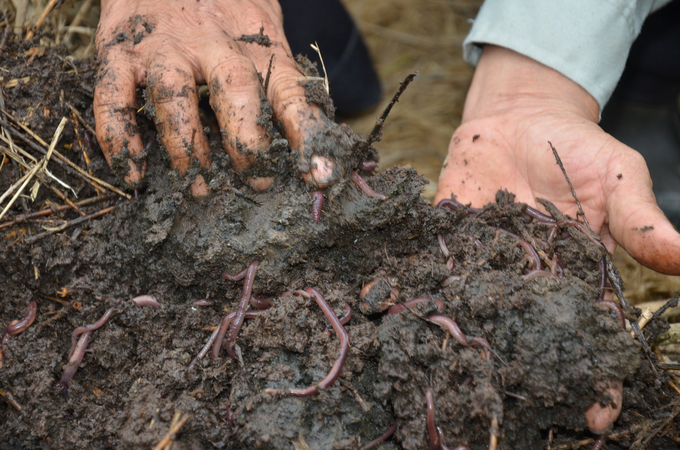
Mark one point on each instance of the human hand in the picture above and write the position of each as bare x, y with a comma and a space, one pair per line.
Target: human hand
170, 47
515, 105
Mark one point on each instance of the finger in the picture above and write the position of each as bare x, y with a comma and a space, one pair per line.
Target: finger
114, 113
635, 220
236, 97
304, 122
172, 88
601, 418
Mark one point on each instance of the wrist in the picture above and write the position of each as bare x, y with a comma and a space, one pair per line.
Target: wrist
505, 80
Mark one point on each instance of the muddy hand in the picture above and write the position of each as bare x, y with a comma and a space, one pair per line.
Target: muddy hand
170, 47
514, 107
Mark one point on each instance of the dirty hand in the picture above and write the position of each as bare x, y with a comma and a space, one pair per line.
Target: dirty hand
515, 105
170, 47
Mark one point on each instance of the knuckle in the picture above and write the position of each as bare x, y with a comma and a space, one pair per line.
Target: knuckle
234, 73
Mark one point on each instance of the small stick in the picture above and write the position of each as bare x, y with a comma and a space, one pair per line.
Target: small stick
11, 401
382, 438
174, 429
69, 224
377, 131
269, 72
672, 303
63, 196
48, 212
41, 19
75, 111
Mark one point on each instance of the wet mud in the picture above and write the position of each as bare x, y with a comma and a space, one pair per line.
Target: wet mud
552, 351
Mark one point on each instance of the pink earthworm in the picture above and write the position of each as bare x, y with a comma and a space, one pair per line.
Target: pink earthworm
303, 294
396, 309
452, 327
531, 251
339, 363
205, 349
260, 303
385, 436
552, 234
147, 300
454, 205
431, 427
481, 342
204, 302
226, 276
539, 273
581, 227
229, 413
602, 267
442, 245
450, 280
450, 263
368, 166
347, 316
221, 330
74, 360
317, 204
16, 327
241, 310
615, 308
365, 187
477, 242
87, 328
599, 442
536, 214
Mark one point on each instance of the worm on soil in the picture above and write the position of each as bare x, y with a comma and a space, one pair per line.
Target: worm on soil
347, 316
449, 280
396, 309
94, 326
17, 326
443, 246
204, 302
431, 428
260, 303
317, 204
368, 166
339, 363
204, 350
365, 187
599, 442
385, 436
615, 308
75, 358
536, 214
602, 267
538, 274
454, 205
450, 263
581, 227
451, 326
236, 277
531, 251
147, 300
219, 333
241, 310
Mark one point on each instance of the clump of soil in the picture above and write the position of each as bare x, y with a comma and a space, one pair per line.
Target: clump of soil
554, 352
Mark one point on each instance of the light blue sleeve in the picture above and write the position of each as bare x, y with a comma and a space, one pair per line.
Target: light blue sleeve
586, 40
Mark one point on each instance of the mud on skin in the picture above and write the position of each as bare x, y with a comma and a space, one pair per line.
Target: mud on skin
560, 350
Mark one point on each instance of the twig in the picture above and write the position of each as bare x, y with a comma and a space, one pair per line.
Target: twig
76, 20
667, 366
269, 72
315, 46
672, 303
377, 132
41, 19
79, 117
11, 401
661, 427
58, 209
179, 423
69, 224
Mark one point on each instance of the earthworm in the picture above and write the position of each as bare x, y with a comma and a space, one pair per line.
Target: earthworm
385, 436
94, 326
599, 442
602, 266
17, 326
531, 251
449, 280
204, 302
452, 327
303, 294
221, 330
539, 273
229, 418
241, 310
477, 242
615, 308
552, 234
74, 360
147, 300
481, 342
368, 166
365, 187
536, 214
204, 350
260, 303
442, 245
317, 204
454, 205
337, 367
237, 277
581, 227
396, 309
450, 263
431, 428
347, 316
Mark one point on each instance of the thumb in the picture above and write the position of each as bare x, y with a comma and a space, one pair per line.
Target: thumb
636, 221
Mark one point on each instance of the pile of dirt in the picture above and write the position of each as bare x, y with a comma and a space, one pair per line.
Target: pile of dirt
551, 351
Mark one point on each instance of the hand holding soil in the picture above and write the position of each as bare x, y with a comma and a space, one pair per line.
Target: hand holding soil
170, 48
514, 107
